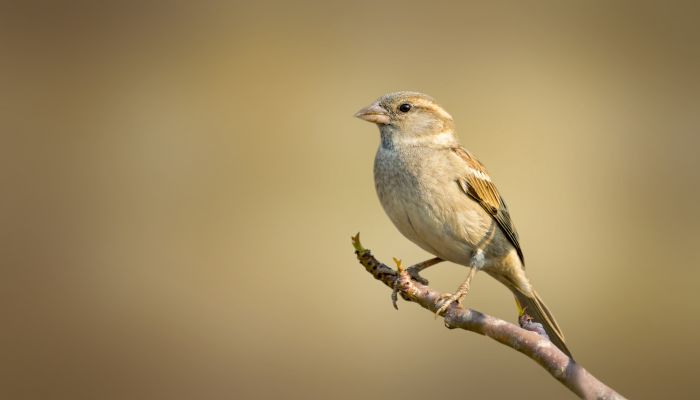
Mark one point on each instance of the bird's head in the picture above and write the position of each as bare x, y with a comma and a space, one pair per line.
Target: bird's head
409, 115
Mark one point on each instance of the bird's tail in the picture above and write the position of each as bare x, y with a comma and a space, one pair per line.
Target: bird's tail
535, 308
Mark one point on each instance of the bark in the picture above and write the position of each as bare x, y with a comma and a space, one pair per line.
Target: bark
529, 342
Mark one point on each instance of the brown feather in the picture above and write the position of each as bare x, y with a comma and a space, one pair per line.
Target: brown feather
477, 184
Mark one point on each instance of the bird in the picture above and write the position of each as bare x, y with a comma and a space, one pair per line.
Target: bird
440, 197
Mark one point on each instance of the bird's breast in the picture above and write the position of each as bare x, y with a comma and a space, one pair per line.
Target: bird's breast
419, 192
398, 191
421, 199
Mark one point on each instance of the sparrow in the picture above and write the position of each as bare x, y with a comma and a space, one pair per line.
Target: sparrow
441, 198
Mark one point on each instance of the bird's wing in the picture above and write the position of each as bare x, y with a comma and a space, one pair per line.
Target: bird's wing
476, 183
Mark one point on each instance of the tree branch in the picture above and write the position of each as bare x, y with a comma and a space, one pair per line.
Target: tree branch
533, 345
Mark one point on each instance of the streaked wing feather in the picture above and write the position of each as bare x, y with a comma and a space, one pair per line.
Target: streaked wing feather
477, 184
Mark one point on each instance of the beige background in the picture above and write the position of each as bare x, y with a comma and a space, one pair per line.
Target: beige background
180, 183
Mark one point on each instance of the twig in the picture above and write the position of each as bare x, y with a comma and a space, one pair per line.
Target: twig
540, 349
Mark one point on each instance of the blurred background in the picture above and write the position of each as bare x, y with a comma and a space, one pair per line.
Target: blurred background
180, 181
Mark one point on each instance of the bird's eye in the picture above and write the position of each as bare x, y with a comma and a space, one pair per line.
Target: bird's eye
405, 107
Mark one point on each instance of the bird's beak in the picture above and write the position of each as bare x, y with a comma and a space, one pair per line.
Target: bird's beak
374, 113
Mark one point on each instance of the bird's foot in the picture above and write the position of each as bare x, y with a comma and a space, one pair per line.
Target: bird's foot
414, 270
528, 323
414, 273
447, 299
395, 289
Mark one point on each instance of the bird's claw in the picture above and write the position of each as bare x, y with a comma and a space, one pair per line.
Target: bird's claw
395, 289
528, 323
447, 301
414, 273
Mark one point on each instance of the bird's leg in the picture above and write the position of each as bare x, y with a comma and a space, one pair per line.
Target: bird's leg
462, 291
414, 270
